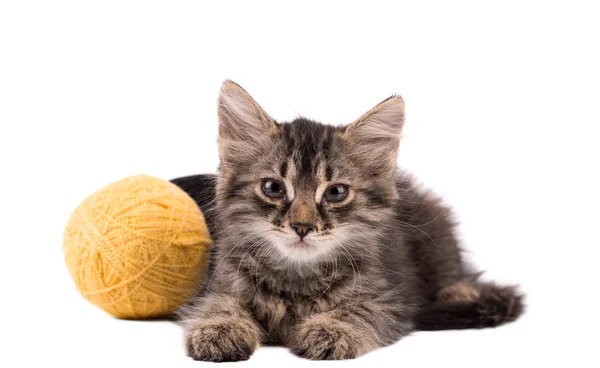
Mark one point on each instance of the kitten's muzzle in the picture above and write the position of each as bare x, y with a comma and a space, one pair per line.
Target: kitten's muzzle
302, 228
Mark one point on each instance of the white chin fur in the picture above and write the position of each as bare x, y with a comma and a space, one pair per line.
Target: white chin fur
308, 251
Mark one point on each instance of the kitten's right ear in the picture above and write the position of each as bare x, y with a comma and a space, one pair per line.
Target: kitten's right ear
244, 127
375, 136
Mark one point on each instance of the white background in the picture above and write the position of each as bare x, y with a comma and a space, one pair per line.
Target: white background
502, 120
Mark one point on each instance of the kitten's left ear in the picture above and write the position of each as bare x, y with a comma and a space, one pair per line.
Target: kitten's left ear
375, 136
244, 127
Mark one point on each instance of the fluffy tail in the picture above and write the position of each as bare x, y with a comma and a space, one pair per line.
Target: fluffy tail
490, 306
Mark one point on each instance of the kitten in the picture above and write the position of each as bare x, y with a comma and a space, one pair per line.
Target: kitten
322, 245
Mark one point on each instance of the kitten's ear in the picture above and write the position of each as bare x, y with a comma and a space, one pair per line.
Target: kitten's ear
244, 127
375, 137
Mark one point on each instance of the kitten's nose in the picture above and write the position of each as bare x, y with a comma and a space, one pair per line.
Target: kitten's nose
302, 228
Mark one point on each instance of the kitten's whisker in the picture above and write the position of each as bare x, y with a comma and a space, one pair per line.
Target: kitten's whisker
256, 266
435, 218
242, 259
214, 271
355, 271
420, 230
338, 263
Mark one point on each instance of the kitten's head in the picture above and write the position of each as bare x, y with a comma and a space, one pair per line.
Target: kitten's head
305, 189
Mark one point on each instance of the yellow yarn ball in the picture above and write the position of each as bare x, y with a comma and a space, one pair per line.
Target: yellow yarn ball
137, 248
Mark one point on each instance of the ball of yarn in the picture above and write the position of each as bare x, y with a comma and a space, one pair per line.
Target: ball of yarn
137, 248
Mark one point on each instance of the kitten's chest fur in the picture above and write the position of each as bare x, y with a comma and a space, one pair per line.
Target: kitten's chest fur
279, 298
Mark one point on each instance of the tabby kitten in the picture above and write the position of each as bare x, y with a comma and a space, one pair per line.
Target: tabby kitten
322, 245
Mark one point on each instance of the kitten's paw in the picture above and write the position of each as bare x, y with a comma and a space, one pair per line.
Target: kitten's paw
500, 304
324, 338
222, 340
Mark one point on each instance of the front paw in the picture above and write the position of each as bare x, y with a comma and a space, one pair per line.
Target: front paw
325, 338
222, 340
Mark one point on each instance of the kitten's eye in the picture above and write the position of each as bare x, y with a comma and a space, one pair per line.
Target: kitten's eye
272, 188
336, 193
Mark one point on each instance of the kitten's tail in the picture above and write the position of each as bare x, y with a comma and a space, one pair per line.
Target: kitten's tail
493, 306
